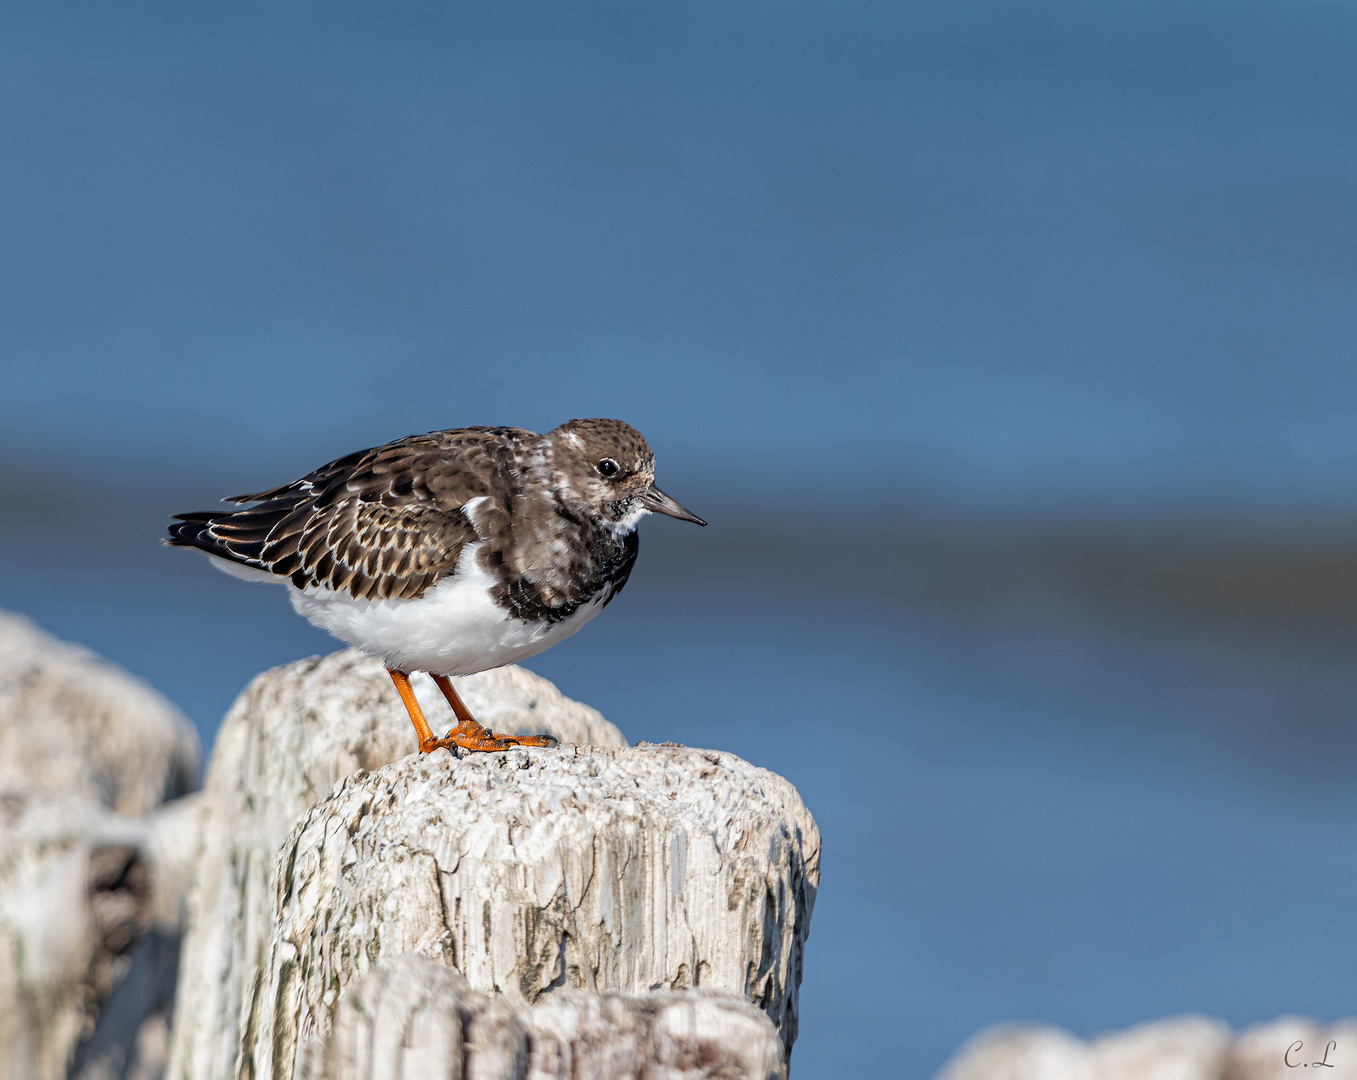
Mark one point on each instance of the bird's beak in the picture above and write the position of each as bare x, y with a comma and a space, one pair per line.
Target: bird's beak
658, 502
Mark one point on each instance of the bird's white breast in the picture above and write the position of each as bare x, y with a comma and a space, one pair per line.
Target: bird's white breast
455, 628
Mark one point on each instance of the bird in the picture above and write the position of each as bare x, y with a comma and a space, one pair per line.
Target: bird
451, 552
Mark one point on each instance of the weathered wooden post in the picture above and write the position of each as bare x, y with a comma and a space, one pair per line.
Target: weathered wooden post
539, 876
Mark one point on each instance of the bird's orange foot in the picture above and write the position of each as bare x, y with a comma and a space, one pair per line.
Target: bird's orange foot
469, 735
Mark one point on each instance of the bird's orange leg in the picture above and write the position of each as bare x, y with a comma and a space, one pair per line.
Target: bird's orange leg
470, 735
427, 741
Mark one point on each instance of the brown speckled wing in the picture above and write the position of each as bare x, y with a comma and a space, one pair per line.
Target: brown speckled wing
383, 523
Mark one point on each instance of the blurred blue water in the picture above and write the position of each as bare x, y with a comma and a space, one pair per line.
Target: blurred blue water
1042, 261
1020, 254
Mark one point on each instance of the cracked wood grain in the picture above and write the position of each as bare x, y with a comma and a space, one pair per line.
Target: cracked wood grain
410, 1017
653, 868
291, 735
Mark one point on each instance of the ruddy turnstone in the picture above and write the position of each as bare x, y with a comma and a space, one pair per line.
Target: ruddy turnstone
451, 552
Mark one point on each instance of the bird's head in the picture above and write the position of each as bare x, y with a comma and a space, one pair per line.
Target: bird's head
607, 467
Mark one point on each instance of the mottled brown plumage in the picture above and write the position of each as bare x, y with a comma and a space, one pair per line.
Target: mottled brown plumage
390, 522
451, 552
380, 523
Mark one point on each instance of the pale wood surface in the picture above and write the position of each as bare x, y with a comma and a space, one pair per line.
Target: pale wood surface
1177, 1048
411, 1017
653, 867
91, 863
288, 739
72, 724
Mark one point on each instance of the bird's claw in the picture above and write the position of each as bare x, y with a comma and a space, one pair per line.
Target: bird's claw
459, 738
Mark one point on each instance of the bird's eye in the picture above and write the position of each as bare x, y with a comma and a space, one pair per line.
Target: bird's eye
608, 467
